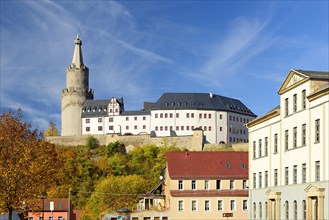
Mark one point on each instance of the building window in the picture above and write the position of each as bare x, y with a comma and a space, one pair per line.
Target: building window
170, 115
259, 147
135, 118
220, 205
317, 170
127, 128
275, 177
218, 184
260, 179
254, 180
87, 129
206, 184
287, 210
161, 128
303, 134
260, 210
304, 210
205, 115
304, 99
192, 115
166, 115
161, 115
111, 119
295, 210
156, 128
266, 211
60, 218
231, 184
180, 205
286, 139
177, 128
193, 184
286, 107
200, 115
180, 184
194, 205
50, 218
304, 173
127, 118
245, 205
254, 149
244, 184
209, 116
266, 178
317, 130
295, 137
177, 115
30, 218
135, 127
144, 127
209, 128
220, 116
187, 128
276, 143
166, 128
295, 174
207, 205
182, 128
266, 146
100, 128
187, 115
144, 118
286, 175
40, 218
110, 127
295, 103
220, 128
205, 128
232, 205
87, 120
254, 210
100, 120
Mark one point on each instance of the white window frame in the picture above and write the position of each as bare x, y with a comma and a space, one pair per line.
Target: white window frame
180, 205
232, 205
194, 205
220, 205
207, 205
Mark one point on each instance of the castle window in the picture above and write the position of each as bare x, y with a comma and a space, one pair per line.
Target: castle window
144, 126
161, 115
170, 115
110, 127
188, 128
87, 120
127, 118
116, 110
232, 205
127, 127
156, 128
135, 118
111, 119
192, 115
156, 115
304, 99
209, 116
144, 118
205, 115
166, 115
317, 130
177, 115
100, 120
100, 128
87, 129
135, 127
187, 115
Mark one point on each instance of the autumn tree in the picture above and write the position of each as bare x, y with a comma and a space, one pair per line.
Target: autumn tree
113, 193
51, 130
28, 163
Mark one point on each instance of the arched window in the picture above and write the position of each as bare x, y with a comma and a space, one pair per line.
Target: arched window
260, 210
254, 209
287, 209
295, 210
304, 209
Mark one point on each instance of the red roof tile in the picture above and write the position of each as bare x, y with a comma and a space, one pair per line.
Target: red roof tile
207, 165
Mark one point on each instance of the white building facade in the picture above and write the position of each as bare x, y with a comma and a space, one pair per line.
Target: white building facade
289, 151
223, 119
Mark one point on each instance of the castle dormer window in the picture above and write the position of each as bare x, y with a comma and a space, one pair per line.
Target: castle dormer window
166, 104
173, 104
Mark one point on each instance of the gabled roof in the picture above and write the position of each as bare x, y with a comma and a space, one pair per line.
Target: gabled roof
207, 165
298, 77
200, 101
97, 108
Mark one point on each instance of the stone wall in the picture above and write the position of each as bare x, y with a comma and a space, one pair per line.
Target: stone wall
191, 142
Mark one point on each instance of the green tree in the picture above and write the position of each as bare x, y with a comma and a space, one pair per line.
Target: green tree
113, 193
28, 163
92, 142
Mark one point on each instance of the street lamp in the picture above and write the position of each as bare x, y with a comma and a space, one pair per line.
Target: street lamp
43, 206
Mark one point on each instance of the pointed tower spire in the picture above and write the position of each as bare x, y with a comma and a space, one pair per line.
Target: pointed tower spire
77, 60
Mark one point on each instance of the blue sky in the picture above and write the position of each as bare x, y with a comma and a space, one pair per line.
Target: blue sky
140, 49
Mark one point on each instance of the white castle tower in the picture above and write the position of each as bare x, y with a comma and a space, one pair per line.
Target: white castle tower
76, 93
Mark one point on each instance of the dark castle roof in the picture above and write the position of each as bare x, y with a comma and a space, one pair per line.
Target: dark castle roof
200, 101
315, 74
95, 108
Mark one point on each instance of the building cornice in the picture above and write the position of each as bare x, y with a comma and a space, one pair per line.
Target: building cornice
319, 94
200, 193
264, 118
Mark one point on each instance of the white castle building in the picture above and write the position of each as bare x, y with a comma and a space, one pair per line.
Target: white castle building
289, 152
222, 119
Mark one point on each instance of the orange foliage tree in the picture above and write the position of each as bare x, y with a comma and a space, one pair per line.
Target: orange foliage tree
28, 164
